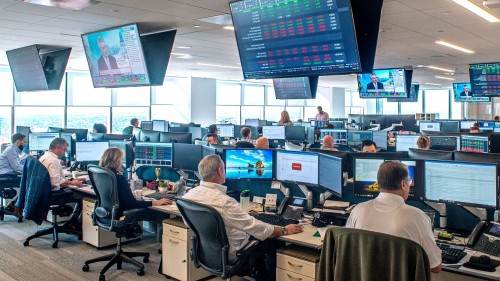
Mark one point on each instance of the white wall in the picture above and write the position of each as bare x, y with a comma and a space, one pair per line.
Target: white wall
203, 100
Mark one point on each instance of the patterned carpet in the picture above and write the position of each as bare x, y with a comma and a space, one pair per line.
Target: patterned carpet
39, 261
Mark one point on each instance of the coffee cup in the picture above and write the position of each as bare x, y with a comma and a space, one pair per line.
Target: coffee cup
74, 174
138, 194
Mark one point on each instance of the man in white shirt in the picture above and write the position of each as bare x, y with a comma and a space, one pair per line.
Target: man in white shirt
389, 214
240, 226
51, 160
322, 116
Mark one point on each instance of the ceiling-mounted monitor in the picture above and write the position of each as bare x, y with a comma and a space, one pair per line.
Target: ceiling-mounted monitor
296, 87
484, 79
115, 57
412, 95
383, 83
295, 38
463, 93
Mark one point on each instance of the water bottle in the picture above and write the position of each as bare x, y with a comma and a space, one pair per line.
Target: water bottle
181, 187
245, 200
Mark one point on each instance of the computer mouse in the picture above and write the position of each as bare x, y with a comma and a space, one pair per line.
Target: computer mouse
484, 259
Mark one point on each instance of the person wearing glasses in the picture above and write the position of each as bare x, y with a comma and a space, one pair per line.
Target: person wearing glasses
389, 214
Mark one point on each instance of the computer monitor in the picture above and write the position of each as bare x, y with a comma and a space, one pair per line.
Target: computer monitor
147, 125
462, 182
197, 132
484, 79
160, 125
463, 93
128, 149
153, 153
70, 139
25, 130
81, 134
248, 164
346, 161
152, 136
486, 126
252, 122
298, 167
430, 126
447, 143
318, 124
295, 87
330, 173
54, 130
295, 133
497, 127
186, 156
355, 137
365, 177
225, 130
183, 129
495, 142
117, 137
383, 83
337, 124
41, 141
90, 151
176, 137
175, 124
220, 148
466, 125
427, 154
476, 157
207, 150
95, 137
380, 138
274, 132
450, 126
339, 135
474, 143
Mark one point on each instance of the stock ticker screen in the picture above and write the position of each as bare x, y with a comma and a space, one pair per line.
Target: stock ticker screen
283, 38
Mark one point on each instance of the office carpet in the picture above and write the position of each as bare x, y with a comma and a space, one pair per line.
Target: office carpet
39, 261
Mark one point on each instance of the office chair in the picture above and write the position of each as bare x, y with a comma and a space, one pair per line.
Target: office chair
355, 255
7, 191
37, 199
293, 147
209, 241
343, 147
106, 217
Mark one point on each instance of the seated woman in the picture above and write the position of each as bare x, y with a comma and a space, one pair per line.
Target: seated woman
112, 159
285, 119
423, 142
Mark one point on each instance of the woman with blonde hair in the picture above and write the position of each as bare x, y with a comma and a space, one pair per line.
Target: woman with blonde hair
423, 142
112, 159
285, 119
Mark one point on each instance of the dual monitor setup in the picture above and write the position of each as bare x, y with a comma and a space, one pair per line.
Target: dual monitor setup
470, 143
456, 126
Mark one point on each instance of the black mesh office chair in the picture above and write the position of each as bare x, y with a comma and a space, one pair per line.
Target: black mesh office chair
210, 244
106, 217
7, 191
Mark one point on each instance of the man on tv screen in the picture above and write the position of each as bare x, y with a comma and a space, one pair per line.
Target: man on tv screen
374, 85
466, 92
106, 61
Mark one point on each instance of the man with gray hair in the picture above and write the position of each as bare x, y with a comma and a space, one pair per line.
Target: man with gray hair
240, 226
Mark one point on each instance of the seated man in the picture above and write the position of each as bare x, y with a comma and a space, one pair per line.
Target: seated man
129, 130
212, 139
328, 143
368, 146
240, 226
9, 160
246, 138
389, 214
474, 130
262, 143
212, 131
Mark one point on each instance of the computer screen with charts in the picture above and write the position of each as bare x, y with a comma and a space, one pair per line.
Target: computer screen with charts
330, 173
274, 132
474, 143
248, 164
153, 153
299, 167
41, 141
355, 137
339, 136
471, 183
405, 142
430, 126
90, 151
484, 79
448, 143
225, 130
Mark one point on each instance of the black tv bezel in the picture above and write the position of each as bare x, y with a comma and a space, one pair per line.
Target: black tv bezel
325, 73
142, 52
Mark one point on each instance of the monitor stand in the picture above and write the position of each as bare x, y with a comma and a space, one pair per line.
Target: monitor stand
73, 166
441, 209
480, 213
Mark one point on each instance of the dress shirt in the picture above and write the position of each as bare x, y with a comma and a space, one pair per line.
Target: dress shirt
322, 116
9, 160
53, 165
239, 224
389, 214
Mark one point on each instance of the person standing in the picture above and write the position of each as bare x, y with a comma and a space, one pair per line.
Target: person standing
322, 116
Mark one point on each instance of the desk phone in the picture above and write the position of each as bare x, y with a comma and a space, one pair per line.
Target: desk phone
486, 238
294, 209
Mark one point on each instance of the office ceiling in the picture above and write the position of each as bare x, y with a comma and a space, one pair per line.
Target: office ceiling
408, 31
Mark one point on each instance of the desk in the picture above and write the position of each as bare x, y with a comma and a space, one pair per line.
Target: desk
459, 272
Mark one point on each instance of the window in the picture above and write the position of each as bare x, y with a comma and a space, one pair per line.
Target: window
81, 91
6, 87
271, 97
389, 107
133, 96
413, 107
228, 94
437, 101
86, 117
310, 112
51, 98
170, 113
295, 112
172, 89
273, 113
227, 114
5, 121
251, 112
39, 118
122, 116
456, 109
253, 95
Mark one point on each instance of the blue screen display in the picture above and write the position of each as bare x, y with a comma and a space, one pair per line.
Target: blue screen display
463, 93
249, 164
383, 83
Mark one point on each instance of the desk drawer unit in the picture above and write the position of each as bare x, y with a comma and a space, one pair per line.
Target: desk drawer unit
297, 263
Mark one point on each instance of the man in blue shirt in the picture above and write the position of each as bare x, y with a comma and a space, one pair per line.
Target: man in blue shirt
9, 160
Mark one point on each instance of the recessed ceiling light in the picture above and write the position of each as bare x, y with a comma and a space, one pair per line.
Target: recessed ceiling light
196, 26
476, 10
183, 47
433, 84
229, 27
218, 65
453, 46
440, 68
444, 78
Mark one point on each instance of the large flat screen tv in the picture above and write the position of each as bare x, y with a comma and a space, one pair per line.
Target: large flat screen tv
115, 57
296, 87
295, 38
383, 83
463, 93
485, 79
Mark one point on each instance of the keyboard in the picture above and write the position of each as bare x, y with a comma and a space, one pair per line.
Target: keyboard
158, 196
274, 219
451, 253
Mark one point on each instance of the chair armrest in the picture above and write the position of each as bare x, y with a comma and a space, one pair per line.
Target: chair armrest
130, 214
248, 248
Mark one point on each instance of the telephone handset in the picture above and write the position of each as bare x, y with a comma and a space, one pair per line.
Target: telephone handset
283, 205
486, 238
476, 233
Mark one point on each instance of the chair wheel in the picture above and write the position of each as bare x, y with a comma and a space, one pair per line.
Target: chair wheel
102, 278
1, 218
140, 272
20, 219
145, 259
118, 266
85, 268
54, 245
26, 243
